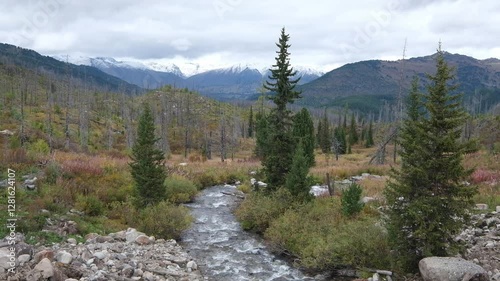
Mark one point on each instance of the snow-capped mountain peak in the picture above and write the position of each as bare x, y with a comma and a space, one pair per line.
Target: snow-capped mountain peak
238, 68
161, 67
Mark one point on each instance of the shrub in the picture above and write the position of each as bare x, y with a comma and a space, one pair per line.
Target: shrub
351, 200
481, 175
39, 147
180, 189
52, 172
258, 210
90, 205
164, 220
321, 238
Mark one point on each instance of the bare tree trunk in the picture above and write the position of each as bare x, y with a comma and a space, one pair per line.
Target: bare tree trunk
164, 125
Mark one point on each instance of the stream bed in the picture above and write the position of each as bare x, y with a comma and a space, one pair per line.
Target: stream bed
223, 250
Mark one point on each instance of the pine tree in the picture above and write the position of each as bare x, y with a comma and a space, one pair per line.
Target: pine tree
369, 135
147, 167
261, 135
353, 134
303, 131
278, 161
340, 140
428, 201
325, 139
319, 133
251, 124
296, 180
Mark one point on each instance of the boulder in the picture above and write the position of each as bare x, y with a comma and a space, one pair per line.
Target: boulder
22, 259
49, 254
132, 234
44, 268
142, 240
450, 269
191, 266
64, 257
6, 258
482, 206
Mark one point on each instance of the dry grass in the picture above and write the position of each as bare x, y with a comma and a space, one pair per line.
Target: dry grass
348, 165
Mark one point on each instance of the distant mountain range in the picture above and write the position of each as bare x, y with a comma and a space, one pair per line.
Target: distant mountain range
364, 86
91, 76
235, 82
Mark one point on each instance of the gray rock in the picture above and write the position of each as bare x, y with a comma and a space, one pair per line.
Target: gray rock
132, 234
127, 271
49, 254
498, 209
450, 269
148, 276
72, 241
142, 240
101, 255
192, 265
22, 259
45, 268
64, 257
7, 259
366, 200
482, 206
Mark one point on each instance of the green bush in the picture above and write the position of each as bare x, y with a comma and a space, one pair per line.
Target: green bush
180, 189
32, 223
90, 205
321, 238
351, 200
164, 220
205, 179
259, 210
52, 172
39, 147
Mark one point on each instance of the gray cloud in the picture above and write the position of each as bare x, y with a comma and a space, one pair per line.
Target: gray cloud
323, 33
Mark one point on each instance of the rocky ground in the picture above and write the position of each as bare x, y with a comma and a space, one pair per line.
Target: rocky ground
483, 242
124, 256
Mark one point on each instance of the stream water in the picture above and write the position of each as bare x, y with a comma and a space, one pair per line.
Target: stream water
223, 250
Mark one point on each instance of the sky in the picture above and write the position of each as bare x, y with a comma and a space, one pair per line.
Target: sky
324, 34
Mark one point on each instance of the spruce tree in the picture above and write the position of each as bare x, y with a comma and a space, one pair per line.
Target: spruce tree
278, 161
303, 131
296, 180
325, 142
369, 135
147, 167
353, 134
251, 124
428, 201
261, 135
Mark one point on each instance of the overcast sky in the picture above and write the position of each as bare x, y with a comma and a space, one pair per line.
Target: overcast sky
324, 34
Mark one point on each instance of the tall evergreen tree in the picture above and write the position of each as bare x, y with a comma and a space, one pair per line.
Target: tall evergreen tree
325, 135
428, 201
147, 167
278, 161
251, 124
296, 180
353, 133
369, 135
261, 134
340, 140
303, 131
